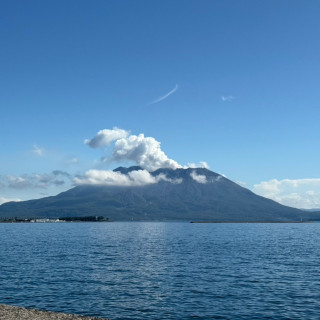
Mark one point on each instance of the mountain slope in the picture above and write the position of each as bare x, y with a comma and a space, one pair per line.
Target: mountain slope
181, 194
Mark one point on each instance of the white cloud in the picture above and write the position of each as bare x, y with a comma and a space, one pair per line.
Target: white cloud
103, 177
29, 181
116, 178
242, 184
198, 177
163, 177
37, 150
4, 200
299, 193
201, 164
166, 95
73, 160
143, 151
105, 137
227, 98
18, 182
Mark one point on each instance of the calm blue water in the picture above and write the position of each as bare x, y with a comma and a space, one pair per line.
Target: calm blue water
163, 270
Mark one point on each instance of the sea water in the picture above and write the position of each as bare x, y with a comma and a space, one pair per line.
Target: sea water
163, 270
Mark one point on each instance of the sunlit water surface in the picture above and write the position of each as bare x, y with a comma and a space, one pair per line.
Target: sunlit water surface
147, 270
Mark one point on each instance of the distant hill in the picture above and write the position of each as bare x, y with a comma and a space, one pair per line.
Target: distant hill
185, 194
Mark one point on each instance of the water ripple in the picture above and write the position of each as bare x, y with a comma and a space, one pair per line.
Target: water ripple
163, 270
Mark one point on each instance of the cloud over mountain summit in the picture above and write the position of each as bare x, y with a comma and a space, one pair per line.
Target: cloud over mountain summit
143, 151
117, 178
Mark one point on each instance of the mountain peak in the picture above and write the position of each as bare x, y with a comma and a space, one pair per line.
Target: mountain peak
125, 170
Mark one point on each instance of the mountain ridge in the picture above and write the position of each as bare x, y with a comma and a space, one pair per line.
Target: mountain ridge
196, 194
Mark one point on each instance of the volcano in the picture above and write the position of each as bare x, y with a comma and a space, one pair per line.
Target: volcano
194, 194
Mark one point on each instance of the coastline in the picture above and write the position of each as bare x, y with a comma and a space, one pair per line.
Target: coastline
253, 221
19, 313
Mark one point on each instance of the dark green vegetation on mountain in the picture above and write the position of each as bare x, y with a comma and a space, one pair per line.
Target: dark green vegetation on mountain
181, 198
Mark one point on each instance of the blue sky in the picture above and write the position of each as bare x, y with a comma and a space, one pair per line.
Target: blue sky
232, 83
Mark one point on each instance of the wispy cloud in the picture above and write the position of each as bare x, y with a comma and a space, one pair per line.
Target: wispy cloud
198, 177
37, 150
201, 164
73, 160
165, 96
227, 98
32, 181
